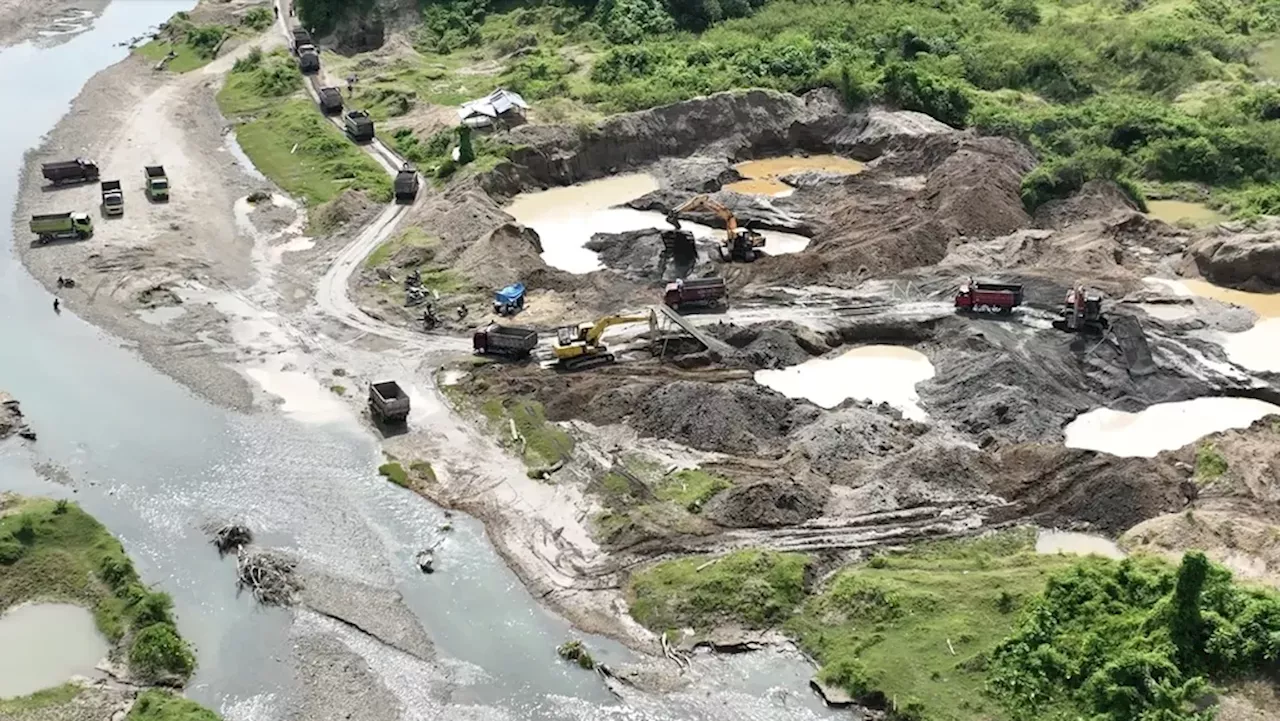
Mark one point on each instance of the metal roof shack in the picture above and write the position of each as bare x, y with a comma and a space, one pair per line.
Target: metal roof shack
501, 105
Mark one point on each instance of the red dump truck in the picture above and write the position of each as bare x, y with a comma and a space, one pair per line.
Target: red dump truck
508, 341
696, 293
999, 298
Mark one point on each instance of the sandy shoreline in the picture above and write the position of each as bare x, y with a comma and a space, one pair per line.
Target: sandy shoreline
46, 22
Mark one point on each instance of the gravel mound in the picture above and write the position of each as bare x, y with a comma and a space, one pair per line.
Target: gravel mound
741, 418
1095, 199
767, 504
874, 228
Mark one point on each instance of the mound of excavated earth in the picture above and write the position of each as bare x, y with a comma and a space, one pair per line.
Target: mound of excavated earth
766, 504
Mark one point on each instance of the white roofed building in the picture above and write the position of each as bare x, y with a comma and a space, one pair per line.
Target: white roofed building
502, 106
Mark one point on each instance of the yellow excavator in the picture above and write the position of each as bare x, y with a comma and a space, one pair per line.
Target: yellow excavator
579, 346
740, 244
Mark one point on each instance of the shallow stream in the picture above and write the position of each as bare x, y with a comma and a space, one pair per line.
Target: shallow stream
56, 641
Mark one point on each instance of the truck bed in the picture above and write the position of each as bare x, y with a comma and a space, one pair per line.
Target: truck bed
50, 216
154, 171
110, 185
62, 165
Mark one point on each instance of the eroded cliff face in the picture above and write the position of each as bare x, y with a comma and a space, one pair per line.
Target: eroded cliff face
359, 25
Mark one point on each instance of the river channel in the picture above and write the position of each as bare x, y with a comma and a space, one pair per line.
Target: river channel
155, 463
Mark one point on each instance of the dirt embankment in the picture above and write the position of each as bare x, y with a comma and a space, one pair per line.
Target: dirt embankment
1234, 518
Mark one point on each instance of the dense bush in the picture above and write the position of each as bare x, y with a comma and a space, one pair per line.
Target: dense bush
1135, 641
158, 652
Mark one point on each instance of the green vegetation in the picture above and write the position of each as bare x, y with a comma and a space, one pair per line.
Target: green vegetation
411, 237
157, 705
691, 489
395, 473
193, 45
541, 443
258, 19
435, 155
339, 390
43, 699
1210, 463
918, 627
574, 651
755, 589
55, 551
1137, 639
1152, 93
985, 628
288, 140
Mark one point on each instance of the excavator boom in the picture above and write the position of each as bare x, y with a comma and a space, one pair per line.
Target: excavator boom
580, 347
737, 244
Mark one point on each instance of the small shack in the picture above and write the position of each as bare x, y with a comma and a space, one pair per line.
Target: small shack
502, 108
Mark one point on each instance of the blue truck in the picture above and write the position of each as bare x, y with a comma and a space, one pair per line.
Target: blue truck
509, 300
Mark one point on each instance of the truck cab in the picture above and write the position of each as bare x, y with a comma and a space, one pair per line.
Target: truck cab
157, 183
112, 198
308, 59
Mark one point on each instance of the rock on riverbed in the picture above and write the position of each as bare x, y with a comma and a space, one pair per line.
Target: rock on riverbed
11, 421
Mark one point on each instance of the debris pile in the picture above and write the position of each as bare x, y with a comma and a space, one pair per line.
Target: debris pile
269, 576
11, 421
231, 537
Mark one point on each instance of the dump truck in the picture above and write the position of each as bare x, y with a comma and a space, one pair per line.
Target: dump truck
61, 226
388, 403
406, 184
157, 182
696, 293
112, 198
301, 38
976, 297
308, 60
359, 125
509, 300
508, 341
71, 171
330, 101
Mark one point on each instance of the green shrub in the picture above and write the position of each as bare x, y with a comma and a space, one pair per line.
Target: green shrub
161, 705
258, 19
11, 549
1210, 463
158, 651
395, 473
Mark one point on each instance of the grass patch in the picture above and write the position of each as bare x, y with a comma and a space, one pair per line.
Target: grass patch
194, 46
308, 157
43, 699
158, 705
55, 551
889, 626
755, 589
544, 443
1210, 463
288, 140
411, 237
338, 390
692, 488
395, 473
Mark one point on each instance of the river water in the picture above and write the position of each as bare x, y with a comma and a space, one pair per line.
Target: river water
155, 463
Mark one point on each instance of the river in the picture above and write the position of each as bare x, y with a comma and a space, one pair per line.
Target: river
154, 463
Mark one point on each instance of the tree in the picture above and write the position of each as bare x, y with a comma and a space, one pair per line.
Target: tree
1186, 627
1021, 14
466, 153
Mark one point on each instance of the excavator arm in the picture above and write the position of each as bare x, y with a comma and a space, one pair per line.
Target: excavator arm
704, 202
597, 330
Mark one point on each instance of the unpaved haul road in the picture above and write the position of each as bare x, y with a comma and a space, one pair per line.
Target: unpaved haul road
331, 293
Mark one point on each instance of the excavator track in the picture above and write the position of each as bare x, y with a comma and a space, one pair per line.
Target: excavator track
582, 363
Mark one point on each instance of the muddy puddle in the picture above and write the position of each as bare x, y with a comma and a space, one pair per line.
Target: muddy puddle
1177, 212
566, 218
763, 177
876, 373
1256, 348
56, 641
1162, 427
1076, 544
